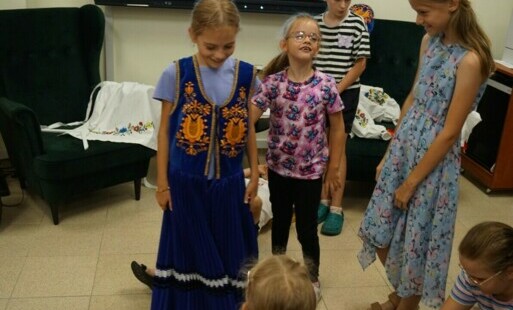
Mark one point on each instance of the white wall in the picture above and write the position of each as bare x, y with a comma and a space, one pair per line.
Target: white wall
145, 40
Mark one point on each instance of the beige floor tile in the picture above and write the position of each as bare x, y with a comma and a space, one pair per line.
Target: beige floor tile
16, 240
353, 298
346, 240
10, 270
84, 262
454, 268
61, 303
340, 268
471, 221
264, 241
114, 275
68, 240
129, 212
24, 209
56, 276
460, 230
140, 237
124, 302
382, 272
93, 207
476, 207
321, 305
24, 213
82, 212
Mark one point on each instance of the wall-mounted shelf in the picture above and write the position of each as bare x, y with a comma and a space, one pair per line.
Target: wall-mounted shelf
489, 156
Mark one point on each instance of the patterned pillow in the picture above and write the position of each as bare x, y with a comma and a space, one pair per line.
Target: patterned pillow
366, 12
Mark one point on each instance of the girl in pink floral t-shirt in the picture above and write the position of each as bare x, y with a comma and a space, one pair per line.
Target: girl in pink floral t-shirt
301, 101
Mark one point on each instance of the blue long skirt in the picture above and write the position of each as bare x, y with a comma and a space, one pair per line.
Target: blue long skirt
205, 240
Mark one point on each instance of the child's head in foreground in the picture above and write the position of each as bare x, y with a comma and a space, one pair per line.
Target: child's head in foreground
486, 257
279, 283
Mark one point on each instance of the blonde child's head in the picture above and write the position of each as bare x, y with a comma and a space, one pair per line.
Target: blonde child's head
289, 36
214, 28
486, 256
463, 24
213, 14
279, 283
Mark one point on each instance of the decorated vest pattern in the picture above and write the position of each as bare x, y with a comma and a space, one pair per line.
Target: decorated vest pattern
201, 125
193, 135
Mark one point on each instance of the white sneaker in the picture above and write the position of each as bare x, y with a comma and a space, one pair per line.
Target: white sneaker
317, 290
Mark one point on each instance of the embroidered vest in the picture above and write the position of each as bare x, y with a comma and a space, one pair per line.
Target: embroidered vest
198, 127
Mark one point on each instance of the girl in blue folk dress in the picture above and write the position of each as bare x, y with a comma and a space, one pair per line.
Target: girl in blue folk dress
207, 229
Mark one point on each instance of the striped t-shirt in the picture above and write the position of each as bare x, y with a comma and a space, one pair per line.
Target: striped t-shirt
468, 294
341, 46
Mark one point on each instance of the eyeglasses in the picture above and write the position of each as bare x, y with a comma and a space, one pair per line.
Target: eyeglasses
300, 36
475, 281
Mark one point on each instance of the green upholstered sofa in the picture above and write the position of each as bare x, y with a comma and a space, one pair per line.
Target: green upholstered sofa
392, 66
49, 64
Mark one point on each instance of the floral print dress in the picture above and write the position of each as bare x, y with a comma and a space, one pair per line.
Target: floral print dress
419, 239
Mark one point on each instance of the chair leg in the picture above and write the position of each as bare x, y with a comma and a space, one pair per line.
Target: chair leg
23, 183
137, 188
54, 207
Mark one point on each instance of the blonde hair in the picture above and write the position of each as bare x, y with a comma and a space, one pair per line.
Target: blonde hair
490, 243
281, 61
214, 13
470, 34
279, 283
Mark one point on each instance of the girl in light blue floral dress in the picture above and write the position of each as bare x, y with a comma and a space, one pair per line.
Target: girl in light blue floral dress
409, 222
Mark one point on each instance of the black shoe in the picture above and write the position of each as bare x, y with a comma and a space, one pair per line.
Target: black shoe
140, 273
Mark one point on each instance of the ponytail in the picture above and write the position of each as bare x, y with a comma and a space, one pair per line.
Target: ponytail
471, 35
277, 64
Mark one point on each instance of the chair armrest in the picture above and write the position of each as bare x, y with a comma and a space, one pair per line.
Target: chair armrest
21, 133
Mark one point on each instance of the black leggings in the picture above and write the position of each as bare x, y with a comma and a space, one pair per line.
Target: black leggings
287, 195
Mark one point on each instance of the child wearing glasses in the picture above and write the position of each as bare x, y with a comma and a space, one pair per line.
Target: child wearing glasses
300, 99
279, 282
343, 54
486, 261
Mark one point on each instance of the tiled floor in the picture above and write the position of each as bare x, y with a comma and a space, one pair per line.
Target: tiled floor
84, 262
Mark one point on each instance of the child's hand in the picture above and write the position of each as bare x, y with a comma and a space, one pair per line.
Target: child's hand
403, 195
262, 171
251, 191
333, 180
164, 199
379, 168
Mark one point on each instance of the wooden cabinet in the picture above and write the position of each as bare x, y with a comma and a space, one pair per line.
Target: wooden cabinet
489, 155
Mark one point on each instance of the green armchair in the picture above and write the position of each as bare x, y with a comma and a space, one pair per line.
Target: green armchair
392, 66
49, 64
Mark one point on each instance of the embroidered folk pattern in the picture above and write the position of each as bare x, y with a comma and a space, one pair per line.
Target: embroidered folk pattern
129, 129
233, 140
192, 135
361, 118
377, 95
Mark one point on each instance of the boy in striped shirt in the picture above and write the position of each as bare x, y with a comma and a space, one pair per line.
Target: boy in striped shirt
343, 55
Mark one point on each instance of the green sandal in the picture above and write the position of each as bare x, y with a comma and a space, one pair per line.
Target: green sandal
322, 213
333, 224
